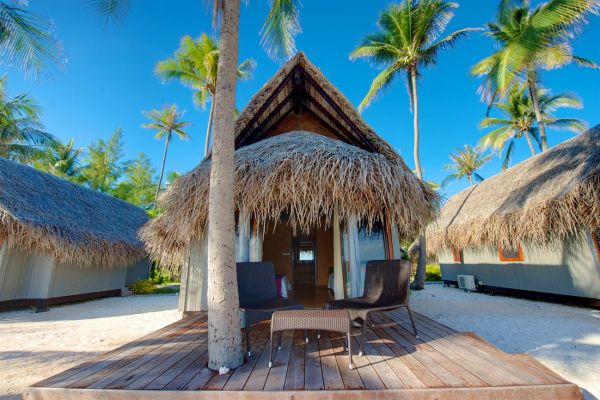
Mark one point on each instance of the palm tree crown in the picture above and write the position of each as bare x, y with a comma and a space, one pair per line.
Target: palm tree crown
21, 134
409, 39
166, 122
519, 120
195, 65
530, 40
62, 160
465, 163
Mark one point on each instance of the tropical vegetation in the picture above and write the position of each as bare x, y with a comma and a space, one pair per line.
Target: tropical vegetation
166, 122
61, 159
518, 120
195, 65
530, 40
22, 135
409, 40
465, 163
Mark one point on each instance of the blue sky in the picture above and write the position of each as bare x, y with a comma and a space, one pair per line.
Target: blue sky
109, 80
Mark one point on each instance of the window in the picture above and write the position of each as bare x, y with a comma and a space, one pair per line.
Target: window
596, 240
306, 251
511, 254
456, 254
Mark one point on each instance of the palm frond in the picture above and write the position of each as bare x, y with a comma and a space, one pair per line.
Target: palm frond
110, 10
383, 79
280, 29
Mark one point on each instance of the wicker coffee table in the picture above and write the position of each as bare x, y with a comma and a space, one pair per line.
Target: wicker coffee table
315, 319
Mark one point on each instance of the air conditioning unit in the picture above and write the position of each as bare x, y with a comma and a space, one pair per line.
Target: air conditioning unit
466, 282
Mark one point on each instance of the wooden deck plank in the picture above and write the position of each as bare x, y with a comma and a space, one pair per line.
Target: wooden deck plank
72, 375
367, 373
444, 364
351, 378
313, 374
511, 370
332, 379
276, 379
294, 380
259, 336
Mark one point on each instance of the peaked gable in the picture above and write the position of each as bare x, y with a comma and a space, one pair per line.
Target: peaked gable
299, 94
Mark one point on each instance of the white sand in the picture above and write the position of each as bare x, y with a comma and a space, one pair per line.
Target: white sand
36, 346
564, 338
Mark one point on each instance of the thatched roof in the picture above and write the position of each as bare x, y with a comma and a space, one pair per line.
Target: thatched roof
42, 213
304, 174
299, 83
551, 196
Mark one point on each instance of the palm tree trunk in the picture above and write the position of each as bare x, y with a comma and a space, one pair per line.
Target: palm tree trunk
538, 114
419, 281
224, 333
530, 143
470, 180
208, 128
162, 170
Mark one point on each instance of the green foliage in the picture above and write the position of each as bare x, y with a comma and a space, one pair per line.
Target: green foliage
22, 137
142, 286
159, 276
103, 165
433, 273
61, 160
465, 163
195, 65
409, 39
138, 184
280, 29
518, 120
531, 39
27, 40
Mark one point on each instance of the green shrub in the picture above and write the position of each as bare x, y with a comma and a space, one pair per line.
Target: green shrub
433, 273
158, 276
142, 286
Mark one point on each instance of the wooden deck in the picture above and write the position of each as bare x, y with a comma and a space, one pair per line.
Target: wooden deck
443, 364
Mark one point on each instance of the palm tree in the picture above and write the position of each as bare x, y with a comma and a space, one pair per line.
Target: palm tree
519, 120
531, 40
465, 163
26, 39
279, 30
21, 134
408, 40
61, 160
166, 122
194, 64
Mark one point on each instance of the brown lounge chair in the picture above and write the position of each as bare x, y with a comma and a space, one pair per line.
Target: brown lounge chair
257, 291
386, 288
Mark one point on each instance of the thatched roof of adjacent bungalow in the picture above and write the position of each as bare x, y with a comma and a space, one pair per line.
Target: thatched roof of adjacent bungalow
304, 174
42, 213
551, 196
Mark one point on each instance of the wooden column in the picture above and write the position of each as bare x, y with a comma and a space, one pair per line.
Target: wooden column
255, 242
243, 242
338, 273
194, 274
353, 257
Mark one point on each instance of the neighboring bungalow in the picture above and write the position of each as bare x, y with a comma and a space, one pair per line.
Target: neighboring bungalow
62, 242
530, 230
317, 191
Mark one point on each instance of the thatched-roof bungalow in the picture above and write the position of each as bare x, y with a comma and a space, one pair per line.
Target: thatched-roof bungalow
61, 242
532, 229
316, 190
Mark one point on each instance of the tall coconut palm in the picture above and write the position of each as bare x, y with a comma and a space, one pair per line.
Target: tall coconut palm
22, 137
27, 40
278, 32
465, 163
62, 160
166, 122
408, 40
530, 40
194, 64
519, 120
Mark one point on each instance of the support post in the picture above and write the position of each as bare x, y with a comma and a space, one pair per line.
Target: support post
354, 257
243, 244
194, 274
255, 243
338, 274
